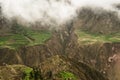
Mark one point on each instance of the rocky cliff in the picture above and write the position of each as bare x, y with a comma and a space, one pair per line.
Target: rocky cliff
54, 68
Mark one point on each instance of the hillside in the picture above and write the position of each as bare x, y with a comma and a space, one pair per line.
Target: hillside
18, 35
60, 67
98, 20
87, 48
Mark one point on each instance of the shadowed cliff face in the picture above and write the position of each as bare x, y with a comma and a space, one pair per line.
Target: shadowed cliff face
98, 20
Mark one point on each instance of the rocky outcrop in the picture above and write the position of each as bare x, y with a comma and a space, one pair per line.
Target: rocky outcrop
98, 20
11, 72
56, 65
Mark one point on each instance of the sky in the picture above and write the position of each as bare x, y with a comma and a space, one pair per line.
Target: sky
50, 11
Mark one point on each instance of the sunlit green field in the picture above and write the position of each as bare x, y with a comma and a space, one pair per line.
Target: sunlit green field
17, 40
86, 37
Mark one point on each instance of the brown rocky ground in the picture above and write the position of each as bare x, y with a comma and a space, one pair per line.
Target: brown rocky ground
56, 65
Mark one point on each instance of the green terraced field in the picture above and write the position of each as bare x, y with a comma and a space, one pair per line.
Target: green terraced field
86, 37
17, 40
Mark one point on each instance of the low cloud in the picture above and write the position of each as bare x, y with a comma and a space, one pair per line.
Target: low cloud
50, 11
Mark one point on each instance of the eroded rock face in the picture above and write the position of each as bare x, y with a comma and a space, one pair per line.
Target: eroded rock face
98, 20
56, 65
98, 55
11, 72
31, 56
101, 56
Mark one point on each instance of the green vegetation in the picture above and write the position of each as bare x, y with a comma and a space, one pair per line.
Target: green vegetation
26, 73
30, 38
32, 74
67, 75
39, 37
86, 37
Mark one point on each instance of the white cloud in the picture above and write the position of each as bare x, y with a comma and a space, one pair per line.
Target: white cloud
47, 10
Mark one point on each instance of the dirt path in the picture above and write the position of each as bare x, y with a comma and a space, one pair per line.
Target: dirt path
29, 39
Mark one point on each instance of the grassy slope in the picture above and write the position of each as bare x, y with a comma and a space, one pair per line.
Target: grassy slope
86, 37
17, 40
67, 75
